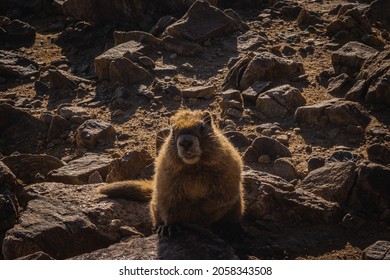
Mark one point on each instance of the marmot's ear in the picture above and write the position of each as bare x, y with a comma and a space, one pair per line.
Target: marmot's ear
207, 118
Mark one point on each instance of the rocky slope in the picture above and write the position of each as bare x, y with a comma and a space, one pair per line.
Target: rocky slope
302, 89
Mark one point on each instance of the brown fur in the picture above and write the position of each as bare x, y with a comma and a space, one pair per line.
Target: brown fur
205, 192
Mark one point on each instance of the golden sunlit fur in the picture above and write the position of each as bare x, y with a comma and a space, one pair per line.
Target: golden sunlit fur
203, 192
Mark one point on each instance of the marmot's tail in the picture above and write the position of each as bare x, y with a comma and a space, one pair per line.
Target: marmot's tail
133, 190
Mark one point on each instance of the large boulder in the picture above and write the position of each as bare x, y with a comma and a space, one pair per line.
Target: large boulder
122, 51
271, 197
372, 85
262, 67
15, 66
38, 166
332, 182
16, 33
351, 57
268, 146
202, 22
20, 131
94, 132
279, 101
129, 166
371, 192
68, 220
335, 112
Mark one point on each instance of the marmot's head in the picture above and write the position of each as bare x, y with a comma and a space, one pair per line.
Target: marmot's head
190, 129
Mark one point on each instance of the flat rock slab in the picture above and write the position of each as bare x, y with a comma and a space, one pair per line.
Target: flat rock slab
14, 66
68, 220
206, 92
77, 171
193, 243
269, 196
201, 22
332, 182
380, 250
335, 112
28, 166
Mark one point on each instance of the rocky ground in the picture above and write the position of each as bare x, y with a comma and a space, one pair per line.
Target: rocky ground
302, 89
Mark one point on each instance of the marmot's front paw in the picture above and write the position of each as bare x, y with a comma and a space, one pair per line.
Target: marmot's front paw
167, 230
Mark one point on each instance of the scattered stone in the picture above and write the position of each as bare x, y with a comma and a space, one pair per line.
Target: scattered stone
202, 22
279, 101
265, 146
192, 243
252, 93
78, 171
284, 168
332, 182
339, 86
74, 114
264, 159
59, 128
379, 153
380, 250
94, 132
126, 72
308, 18
128, 167
238, 139
103, 61
37, 165
268, 67
206, 92
232, 101
95, 178
14, 66
251, 41
335, 111
59, 79
67, 220
350, 58
272, 196
147, 62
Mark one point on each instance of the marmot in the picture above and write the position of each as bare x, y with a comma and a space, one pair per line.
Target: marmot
197, 177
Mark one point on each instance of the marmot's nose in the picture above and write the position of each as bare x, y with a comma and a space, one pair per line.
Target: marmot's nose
186, 143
